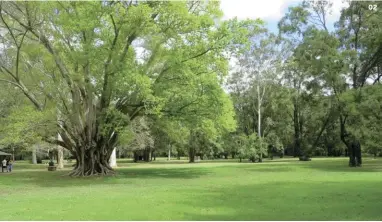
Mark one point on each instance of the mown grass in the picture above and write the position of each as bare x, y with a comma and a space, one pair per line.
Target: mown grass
323, 189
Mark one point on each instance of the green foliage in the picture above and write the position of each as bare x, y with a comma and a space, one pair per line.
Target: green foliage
26, 125
83, 58
364, 118
152, 74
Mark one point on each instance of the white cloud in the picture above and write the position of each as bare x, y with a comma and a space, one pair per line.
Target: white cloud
268, 9
336, 9
264, 9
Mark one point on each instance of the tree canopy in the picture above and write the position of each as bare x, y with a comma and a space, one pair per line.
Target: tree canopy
151, 75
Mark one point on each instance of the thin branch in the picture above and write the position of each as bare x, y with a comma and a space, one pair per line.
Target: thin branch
11, 82
18, 54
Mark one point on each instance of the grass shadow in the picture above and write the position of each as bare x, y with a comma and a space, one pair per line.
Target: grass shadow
61, 178
170, 173
161, 161
287, 201
341, 165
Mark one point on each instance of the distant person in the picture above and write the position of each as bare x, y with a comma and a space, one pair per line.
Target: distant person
3, 165
10, 162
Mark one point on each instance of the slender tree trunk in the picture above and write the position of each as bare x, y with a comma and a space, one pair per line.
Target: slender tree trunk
60, 154
113, 158
169, 153
346, 141
296, 146
193, 142
321, 131
259, 121
191, 154
60, 157
34, 155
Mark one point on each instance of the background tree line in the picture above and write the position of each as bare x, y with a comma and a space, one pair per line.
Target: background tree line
153, 78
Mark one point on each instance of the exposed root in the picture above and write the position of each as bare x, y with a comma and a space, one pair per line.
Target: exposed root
99, 171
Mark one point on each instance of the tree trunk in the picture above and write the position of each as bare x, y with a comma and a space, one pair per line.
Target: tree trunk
147, 155
92, 162
60, 154
60, 157
296, 146
113, 158
233, 155
191, 154
349, 143
34, 155
352, 159
169, 153
136, 156
259, 101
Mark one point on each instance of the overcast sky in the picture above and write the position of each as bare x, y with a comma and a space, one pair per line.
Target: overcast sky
271, 11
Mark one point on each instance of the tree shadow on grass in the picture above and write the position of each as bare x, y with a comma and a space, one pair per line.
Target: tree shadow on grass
165, 162
61, 178
166, 173
132, 163
341, 165
254, 167
286, 201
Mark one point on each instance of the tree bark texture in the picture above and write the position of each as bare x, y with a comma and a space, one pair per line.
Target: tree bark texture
169, 153
34, 155
92, 162
60, 157
191, 154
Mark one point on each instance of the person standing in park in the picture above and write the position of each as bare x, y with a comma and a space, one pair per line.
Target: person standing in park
3, 165
10, 162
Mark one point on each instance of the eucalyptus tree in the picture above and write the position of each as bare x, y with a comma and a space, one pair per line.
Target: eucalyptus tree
306, 27
340, 63
257, 71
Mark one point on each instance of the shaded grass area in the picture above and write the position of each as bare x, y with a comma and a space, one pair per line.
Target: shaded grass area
322, 189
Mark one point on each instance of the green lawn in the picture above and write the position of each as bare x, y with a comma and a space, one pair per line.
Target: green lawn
323, 189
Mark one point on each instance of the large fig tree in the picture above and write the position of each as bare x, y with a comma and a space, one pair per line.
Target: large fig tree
101, 64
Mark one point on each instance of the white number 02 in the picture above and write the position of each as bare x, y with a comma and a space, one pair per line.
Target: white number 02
373, 7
